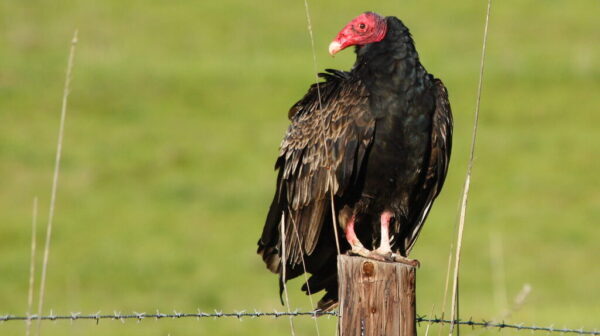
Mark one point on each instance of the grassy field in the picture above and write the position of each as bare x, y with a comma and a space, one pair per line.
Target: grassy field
176, 113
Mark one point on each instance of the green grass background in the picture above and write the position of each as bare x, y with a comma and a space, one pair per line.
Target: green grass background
175, 116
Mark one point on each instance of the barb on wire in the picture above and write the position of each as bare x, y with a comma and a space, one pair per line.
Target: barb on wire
117, 316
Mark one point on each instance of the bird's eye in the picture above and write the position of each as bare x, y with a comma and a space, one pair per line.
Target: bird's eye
362, 26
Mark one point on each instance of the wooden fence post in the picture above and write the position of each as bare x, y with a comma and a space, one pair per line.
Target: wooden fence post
376, 298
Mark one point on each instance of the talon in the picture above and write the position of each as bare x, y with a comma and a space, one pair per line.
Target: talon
404, 260
359, 250
376, 256
363, 252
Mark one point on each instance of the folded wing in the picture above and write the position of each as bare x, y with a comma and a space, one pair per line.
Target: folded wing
322, 152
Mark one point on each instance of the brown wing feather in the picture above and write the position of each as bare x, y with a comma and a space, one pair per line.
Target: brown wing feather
437, 168
330, 136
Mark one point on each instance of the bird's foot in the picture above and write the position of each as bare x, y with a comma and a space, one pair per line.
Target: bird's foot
404, 260
383, 255
396, 257
363, 252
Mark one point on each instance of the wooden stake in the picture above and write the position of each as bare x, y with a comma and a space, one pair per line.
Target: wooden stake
376, 297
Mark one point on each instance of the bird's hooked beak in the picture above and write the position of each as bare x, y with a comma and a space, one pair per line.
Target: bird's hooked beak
342, 40
345, 38
334, 47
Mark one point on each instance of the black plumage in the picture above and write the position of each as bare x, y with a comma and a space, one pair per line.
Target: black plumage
382, 132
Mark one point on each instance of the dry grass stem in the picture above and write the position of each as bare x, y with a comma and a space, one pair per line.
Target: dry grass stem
430, 322
330, 172
312, 304
283, 267
465, 195
31, 266
449, 268
518, 302
61, 129
498, 271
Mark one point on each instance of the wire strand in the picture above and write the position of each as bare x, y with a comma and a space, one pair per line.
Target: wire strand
117, 316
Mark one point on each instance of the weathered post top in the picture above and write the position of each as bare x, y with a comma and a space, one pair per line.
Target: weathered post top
376, 297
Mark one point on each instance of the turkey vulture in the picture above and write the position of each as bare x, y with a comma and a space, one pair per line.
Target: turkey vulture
376, 140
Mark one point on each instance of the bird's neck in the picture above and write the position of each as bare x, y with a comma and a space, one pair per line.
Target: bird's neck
393, 64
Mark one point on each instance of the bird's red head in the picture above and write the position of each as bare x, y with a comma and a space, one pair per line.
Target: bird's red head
366, 28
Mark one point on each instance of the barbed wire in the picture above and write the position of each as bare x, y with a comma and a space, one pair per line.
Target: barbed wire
158, 315
503, 325
117, 316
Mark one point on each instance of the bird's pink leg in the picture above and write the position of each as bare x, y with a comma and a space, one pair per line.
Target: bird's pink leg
357, 246
384, 252
384, 244
385, 249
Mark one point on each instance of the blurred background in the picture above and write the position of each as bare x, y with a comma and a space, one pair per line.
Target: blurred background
174, 121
